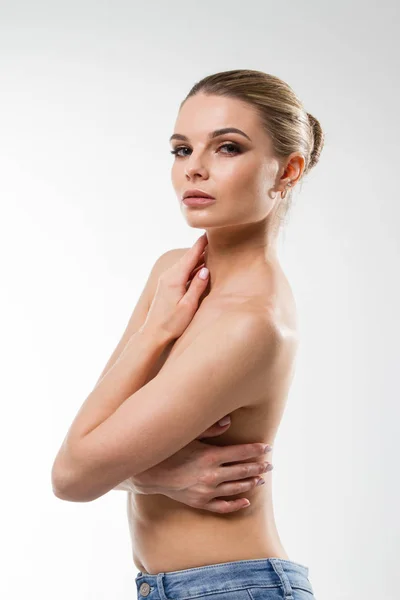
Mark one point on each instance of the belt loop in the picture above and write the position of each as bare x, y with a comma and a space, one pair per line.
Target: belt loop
286, 585
160, 586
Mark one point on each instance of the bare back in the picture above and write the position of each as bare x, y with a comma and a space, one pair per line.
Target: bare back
167, 535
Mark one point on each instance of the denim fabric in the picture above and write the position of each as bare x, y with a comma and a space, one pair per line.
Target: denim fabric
257, 579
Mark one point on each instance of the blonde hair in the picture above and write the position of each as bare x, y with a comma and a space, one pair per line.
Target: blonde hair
282, 114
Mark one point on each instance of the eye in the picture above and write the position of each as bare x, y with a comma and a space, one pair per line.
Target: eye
236, 149
177, 150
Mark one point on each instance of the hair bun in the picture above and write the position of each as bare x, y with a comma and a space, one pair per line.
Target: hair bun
318, 137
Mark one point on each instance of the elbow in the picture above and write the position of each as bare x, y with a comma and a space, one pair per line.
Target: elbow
61, 484
63, 494
66, 484
65, 488
75, 485
75, 478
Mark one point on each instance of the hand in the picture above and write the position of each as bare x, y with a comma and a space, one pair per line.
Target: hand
195, 475
178, 292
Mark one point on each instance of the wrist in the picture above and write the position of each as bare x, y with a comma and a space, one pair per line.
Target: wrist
155, 337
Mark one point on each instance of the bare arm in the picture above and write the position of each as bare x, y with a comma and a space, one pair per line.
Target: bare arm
170, 317
123, 379
232, 356
195, 474
139, 314
136, 321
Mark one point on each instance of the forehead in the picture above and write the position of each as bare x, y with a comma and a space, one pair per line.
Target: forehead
201, 114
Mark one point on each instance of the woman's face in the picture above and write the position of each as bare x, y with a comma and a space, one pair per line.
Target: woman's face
237, 170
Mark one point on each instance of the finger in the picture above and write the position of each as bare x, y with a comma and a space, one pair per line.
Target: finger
232, 488
202, 257
226, 506
238, 452
196, 288
199, 266
242, 471
185, 265
199, 262
196, 254
193, 274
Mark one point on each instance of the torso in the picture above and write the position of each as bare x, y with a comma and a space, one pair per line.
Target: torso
167, 535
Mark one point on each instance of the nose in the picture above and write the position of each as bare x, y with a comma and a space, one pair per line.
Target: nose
194, 167
193, 171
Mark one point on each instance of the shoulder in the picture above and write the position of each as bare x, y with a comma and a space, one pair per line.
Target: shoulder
167, 259
161, 264
236, 354
256, 328
243, 339
259, 330
258, 339
172, 255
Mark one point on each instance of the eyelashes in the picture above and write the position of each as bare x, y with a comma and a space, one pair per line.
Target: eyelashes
236, 149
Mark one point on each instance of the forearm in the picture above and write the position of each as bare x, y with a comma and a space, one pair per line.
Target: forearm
124, 378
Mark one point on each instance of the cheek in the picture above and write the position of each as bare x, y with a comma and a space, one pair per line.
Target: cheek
248, 183
174, 171
177, 177
247, 186
239, 177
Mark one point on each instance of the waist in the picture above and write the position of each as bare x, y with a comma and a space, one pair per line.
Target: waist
180, 538
259, 576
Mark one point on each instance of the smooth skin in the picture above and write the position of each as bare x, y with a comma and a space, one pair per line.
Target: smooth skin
196, 475
120, 428
247, 293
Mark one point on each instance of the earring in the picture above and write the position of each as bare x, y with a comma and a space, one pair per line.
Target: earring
283, 194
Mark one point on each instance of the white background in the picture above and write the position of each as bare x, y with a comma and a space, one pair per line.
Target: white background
89, 96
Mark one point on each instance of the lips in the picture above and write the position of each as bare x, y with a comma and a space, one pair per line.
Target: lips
196, 194
198, 201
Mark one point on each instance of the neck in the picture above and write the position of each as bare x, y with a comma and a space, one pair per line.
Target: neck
235, 251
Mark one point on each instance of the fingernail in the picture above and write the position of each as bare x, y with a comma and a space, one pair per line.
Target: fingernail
260, 482
267, 448
224, 421
203, 273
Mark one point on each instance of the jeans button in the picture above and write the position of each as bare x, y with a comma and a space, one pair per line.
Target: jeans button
144, 589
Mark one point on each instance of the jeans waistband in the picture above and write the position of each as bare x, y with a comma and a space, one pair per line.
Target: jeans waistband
224, 577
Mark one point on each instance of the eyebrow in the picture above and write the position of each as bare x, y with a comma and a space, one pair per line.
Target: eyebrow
213, 134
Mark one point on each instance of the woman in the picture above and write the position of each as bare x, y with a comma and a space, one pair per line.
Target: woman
197, 350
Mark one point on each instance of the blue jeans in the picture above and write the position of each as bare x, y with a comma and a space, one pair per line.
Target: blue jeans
256, 579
